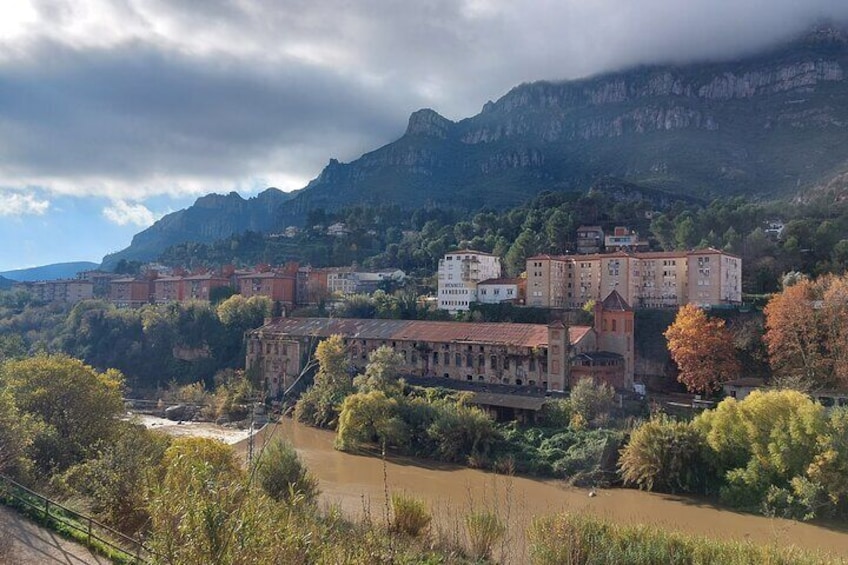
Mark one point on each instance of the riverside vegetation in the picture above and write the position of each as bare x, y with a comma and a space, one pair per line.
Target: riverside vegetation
777, 453
193, 502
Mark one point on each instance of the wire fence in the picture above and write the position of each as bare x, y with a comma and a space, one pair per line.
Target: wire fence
91, 530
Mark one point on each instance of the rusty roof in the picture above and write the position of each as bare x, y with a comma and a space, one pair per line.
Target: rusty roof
513, 280
522, 335
614, 302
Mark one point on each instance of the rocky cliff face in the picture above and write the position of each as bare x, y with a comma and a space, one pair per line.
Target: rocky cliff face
703, 129
212, 217
772, 124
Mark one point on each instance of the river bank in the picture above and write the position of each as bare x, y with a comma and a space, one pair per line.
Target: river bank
356, 484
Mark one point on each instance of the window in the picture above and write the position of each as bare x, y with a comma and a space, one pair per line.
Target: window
469, 362
493, 362
532, 364
446, 358
435, 358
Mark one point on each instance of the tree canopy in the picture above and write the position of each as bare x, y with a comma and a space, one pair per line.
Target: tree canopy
702, 348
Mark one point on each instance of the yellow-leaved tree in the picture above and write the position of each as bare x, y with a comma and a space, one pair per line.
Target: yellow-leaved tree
703, 350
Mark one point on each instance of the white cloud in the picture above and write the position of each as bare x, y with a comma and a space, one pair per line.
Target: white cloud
17, 204
122, 213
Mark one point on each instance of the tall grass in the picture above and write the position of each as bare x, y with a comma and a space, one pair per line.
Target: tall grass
409, 515
568, 539
484, 530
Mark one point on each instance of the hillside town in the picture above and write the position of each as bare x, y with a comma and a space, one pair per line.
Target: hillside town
474, 283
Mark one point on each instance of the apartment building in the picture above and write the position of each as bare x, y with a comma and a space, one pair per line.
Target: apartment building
199, 287
645, 280
459, 274
168, 289
278, 286
130, 292
59, 290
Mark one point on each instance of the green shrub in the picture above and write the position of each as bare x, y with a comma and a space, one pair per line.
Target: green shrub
409, 515
281, 474
666, 455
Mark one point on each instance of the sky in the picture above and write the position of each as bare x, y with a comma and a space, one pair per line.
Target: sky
116, 112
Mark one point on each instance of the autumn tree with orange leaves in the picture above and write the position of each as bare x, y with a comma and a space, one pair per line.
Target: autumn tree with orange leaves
807, 334
703, 350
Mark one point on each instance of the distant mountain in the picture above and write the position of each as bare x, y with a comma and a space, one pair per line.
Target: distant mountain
210, 218
5, 284
50, 272
769, 125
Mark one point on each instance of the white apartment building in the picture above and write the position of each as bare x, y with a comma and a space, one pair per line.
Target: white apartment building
459, 274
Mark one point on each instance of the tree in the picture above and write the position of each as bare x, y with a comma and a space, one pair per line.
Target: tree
702, 348
516, 258
830, 465
591, 401
381, 372
768, 439
17, 432
200, 503
117, 480
370, 417
798, 335
665, 455
460, 432
244, 313
283, 476
320, 404
77, 406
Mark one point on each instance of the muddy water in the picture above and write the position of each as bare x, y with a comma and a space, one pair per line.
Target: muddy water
356, 483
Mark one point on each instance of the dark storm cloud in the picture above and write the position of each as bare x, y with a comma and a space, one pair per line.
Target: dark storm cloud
141, 92
136, 110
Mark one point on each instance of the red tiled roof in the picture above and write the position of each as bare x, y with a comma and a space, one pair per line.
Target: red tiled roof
523, 335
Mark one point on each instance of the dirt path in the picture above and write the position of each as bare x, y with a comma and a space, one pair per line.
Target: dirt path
25, 543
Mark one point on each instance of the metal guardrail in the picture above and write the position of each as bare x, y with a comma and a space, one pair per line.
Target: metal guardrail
91, 528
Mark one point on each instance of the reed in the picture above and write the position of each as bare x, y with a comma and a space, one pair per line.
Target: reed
409, 515
569, 539
484, 529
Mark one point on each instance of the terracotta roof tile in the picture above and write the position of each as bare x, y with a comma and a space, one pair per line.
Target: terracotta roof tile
525, 335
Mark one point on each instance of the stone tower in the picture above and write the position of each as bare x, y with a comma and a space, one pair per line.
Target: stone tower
614, 325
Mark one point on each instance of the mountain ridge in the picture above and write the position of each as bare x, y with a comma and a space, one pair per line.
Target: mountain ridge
52, 271
770, 125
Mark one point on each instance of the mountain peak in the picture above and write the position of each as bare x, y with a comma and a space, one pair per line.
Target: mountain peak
430, 123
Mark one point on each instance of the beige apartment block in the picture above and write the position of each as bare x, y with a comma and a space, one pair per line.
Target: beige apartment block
707, 277
60, 290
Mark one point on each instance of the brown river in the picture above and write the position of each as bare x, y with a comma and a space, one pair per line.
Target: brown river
356, 483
